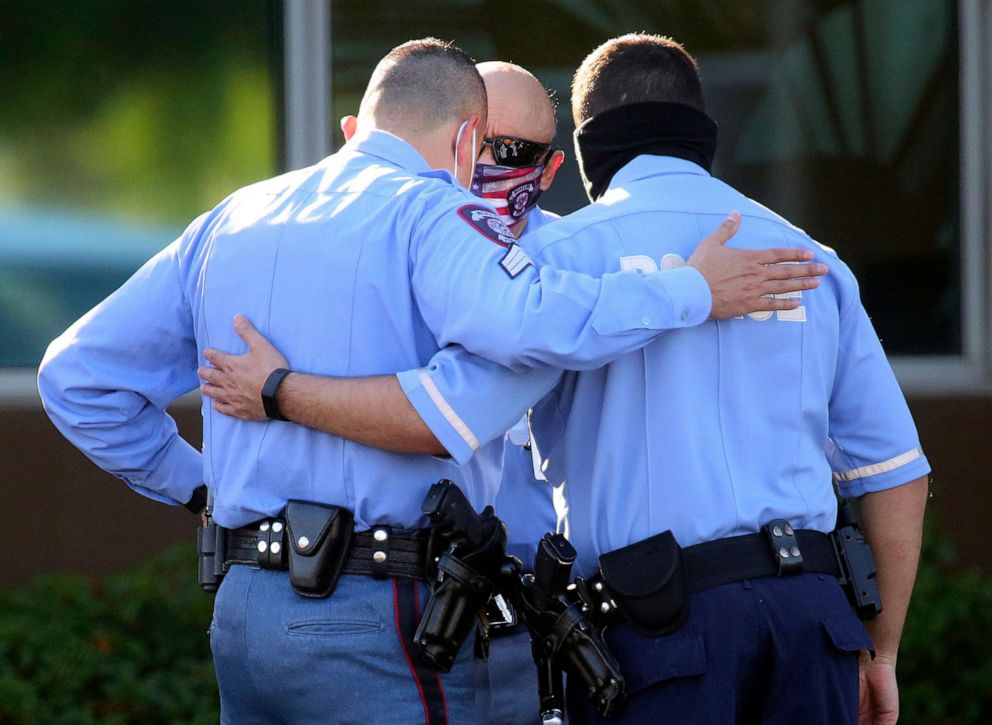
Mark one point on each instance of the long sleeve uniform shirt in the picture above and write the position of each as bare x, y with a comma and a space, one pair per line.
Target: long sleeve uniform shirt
366, 263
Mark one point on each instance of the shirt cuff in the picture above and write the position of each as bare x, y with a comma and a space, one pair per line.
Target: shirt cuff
691, 298
177, 475
666, 300
438, 415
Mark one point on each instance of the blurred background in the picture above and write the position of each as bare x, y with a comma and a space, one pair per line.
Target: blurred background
864, 122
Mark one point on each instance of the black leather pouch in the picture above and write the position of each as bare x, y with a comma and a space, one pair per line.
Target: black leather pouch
320, 539
648, 582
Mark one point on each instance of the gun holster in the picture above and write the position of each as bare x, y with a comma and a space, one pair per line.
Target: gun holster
319, 538
647, 580
857, 568
211, 552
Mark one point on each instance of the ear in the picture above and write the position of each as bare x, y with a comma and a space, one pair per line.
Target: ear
349, 124
551, 168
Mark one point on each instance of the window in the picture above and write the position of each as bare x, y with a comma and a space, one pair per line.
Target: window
843, 116
122, 120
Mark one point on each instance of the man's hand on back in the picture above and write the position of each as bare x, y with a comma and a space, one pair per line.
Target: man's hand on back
743, 280
235, 381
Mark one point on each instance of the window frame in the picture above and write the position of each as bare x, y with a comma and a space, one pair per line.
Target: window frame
971, 371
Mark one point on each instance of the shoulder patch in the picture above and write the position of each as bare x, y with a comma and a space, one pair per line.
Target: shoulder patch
514, 261
487, 223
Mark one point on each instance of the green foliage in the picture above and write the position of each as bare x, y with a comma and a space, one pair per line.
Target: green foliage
945, 662
132, 650
148, 111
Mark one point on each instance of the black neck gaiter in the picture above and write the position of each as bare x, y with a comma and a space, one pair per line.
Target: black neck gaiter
607, 141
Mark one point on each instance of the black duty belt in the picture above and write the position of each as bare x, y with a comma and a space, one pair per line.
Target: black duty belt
647, 583
779, 550
751, 556
380, 552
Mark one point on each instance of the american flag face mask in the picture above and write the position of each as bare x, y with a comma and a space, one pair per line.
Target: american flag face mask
513, 191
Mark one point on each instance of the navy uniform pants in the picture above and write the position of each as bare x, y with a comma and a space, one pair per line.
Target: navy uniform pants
283, 658
772, 650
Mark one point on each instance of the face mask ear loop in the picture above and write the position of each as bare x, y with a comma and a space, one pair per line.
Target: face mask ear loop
475, 156
458, 140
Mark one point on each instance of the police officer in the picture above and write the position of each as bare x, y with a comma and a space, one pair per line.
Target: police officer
711, 432
516, 166
366, 262
716, 431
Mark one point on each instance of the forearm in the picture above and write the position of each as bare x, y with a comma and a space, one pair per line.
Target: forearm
893, 524
372, 411
106, 382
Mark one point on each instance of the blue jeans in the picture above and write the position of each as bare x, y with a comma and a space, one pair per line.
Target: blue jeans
771, 651
283, 658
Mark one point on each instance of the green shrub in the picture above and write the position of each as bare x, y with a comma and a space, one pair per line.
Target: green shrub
945, 660
132, 650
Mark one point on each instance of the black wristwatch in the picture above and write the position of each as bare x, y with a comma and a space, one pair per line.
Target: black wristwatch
198, 501
269, 393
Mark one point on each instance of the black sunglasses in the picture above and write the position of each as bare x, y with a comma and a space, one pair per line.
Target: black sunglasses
516, 152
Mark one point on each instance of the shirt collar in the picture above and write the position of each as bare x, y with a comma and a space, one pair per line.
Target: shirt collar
390, 148
647, 165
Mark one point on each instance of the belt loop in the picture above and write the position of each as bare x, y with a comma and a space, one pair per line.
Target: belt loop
381, 536
272, 544
784, 546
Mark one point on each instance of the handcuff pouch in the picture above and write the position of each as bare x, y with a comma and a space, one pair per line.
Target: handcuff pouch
647, 580
319, 537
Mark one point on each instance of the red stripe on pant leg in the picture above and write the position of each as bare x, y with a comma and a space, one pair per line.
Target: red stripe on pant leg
406, 654
437, 678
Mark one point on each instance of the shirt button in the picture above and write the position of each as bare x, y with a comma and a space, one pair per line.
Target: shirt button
685, 315
645, 320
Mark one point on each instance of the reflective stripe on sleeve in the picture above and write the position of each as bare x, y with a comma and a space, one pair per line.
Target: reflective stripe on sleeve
876, 468
448, 412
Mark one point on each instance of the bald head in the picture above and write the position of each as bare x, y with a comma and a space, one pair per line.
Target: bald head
421, 86
519, 105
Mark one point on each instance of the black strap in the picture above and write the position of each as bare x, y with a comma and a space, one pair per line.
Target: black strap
406, 607
380, 552
737, 558
269, 402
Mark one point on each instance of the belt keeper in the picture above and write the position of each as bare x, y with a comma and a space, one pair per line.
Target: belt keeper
272, 545
380, 552
781, 538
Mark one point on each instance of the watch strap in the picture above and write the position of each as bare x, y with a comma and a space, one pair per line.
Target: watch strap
269, 402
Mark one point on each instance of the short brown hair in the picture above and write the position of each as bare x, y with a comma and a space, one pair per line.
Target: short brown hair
635, 68
427, 81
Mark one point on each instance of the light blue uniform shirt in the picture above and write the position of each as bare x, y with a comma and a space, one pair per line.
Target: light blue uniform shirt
709, 431
363, 264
